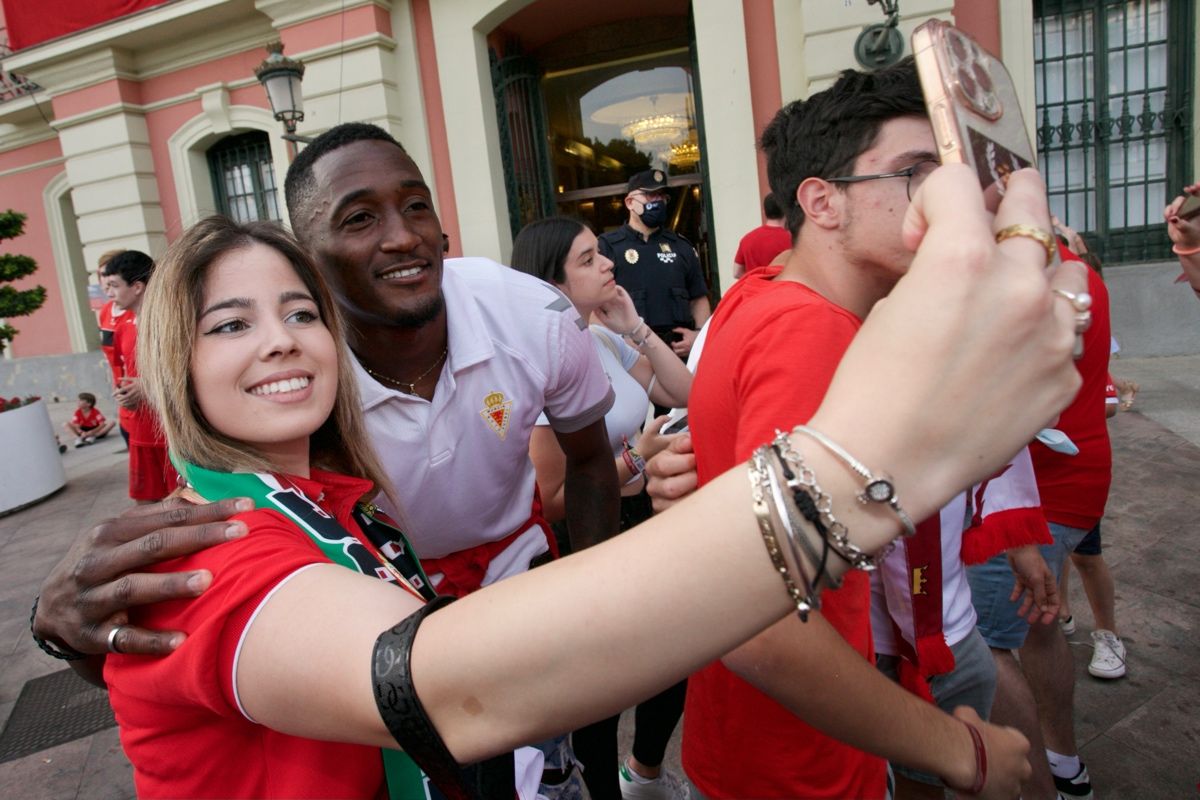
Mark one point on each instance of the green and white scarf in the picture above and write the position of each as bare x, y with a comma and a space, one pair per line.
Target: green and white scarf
389, 558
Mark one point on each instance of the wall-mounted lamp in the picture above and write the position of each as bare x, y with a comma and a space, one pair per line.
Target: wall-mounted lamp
281, 77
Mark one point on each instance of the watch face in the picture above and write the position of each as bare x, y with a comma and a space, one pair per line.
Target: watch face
879, 490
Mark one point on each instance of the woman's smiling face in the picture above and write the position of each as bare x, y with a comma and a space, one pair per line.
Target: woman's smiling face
264, 366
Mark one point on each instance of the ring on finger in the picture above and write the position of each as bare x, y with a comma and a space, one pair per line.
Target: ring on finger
112, 638
1030, 232
1080, 301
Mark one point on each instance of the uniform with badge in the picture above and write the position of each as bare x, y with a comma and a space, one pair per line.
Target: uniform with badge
661, 272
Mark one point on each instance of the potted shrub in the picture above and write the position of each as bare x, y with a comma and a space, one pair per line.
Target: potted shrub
31, 468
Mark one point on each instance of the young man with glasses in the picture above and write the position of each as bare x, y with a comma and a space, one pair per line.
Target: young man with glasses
844, 165
659, 268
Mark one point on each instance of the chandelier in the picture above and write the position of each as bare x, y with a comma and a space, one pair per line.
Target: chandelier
656, 131
685, 155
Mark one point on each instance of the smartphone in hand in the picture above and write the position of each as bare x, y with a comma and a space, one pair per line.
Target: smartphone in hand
1190, 207
972, 106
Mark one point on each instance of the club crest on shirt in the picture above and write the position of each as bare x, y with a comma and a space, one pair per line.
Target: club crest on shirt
496, 412
919, 580
631, 256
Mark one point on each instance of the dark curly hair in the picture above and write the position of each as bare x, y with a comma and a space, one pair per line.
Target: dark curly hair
824, 135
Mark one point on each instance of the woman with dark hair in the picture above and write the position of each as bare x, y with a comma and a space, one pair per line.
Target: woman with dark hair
563, 251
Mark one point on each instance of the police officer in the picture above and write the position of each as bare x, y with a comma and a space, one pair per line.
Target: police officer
658, 268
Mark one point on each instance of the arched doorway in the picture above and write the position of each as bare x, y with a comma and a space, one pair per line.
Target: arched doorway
581, 109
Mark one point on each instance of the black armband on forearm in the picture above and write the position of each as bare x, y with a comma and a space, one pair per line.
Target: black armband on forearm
410, 726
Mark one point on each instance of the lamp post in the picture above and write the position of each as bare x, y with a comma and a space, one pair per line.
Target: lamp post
281, 77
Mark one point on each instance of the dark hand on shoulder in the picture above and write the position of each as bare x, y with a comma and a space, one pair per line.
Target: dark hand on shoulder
91, 590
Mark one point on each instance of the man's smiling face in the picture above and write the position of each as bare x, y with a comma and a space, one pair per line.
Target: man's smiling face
372, 228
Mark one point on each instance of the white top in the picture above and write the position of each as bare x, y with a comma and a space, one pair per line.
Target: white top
1014, 487
629, 411
460, 463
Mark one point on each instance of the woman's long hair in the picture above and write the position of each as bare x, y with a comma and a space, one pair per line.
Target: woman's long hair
167, 333
542, 247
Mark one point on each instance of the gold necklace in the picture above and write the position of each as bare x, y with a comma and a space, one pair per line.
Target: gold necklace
406, 386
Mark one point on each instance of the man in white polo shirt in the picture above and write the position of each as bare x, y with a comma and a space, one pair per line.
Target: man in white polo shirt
455, 362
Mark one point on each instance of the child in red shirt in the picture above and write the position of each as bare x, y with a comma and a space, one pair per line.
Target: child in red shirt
88, 424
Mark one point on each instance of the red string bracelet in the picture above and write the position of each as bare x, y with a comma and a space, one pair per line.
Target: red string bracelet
980, 760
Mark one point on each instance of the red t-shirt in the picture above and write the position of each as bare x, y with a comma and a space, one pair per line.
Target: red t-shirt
1074, 489
760, 246
771, 352
181, 725
141, 423
108, 323
92, 419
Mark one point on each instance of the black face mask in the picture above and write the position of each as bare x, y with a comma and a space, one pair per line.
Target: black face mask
654, 214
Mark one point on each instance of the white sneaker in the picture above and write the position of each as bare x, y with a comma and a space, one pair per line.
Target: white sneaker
667, 786
1108, 655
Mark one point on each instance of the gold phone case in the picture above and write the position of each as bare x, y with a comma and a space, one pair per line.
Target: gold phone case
972, 104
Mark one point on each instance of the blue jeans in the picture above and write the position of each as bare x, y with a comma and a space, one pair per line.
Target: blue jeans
992, 584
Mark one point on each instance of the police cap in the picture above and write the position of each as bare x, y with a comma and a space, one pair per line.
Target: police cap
651, 180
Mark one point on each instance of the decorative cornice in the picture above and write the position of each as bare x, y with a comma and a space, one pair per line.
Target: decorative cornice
285, 13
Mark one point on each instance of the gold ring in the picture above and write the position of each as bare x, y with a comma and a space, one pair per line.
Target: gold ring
1029, 231
1080, 301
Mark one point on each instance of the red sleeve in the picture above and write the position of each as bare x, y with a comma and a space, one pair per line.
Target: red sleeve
244, 571
77, 418
783, 371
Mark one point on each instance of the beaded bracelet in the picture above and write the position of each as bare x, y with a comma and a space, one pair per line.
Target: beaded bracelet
632, 458
759, 474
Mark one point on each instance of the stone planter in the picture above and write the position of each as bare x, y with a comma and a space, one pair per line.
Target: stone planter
31, 468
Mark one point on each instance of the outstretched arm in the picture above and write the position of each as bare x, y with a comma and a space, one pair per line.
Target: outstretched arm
693, 582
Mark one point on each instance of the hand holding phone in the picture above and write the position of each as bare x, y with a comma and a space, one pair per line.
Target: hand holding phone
1190, 207
972, 105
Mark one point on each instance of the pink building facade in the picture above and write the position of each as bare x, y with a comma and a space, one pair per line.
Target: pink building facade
121, 127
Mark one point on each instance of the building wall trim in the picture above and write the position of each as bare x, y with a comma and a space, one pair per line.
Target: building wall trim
65, 261
188, 147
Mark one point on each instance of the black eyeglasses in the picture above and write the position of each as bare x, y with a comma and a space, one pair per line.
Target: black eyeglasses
916, 175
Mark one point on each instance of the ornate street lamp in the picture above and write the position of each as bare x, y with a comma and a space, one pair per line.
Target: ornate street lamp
281, 77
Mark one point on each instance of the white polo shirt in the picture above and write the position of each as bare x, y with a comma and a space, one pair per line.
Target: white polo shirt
460, 463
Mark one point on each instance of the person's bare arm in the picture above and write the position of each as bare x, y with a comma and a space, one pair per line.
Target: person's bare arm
813, 672
94, 585
590, 490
